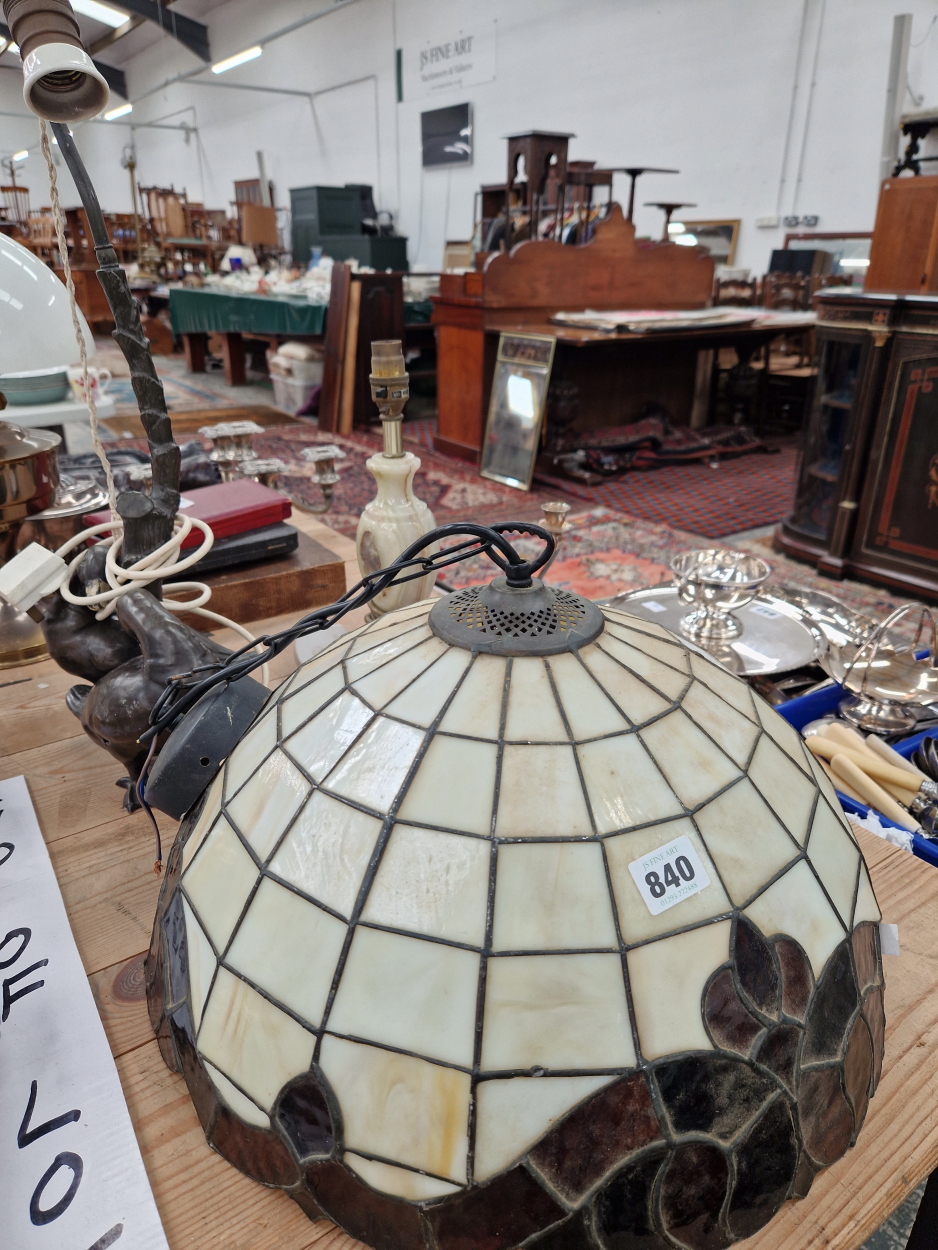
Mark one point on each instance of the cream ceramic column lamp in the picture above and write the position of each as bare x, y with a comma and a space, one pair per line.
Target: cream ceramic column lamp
395, 517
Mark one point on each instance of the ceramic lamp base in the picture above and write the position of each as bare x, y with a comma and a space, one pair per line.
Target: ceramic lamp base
393, 520
21, 639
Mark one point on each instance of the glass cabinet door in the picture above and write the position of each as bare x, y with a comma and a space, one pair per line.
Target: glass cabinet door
826, 436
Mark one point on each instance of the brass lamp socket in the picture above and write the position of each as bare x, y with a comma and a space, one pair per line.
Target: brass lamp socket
390, 390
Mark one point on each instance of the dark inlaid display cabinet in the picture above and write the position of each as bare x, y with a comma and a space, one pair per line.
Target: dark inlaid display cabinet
866, 496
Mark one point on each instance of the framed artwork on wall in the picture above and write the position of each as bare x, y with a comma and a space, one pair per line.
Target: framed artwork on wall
718, 237
446, 136
516, 409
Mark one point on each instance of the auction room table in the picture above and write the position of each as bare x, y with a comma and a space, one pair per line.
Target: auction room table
102, 858
198, 313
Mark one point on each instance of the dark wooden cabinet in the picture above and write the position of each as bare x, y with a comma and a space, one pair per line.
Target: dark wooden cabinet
866, 495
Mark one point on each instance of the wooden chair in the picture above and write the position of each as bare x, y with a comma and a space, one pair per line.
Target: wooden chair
789, 292
786, 292
735, 292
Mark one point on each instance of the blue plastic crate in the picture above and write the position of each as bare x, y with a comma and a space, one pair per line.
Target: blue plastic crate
808, 707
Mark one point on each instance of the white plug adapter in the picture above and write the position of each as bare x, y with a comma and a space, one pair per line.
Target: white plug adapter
31, 575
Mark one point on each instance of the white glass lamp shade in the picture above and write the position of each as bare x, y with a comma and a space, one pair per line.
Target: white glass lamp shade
466, 949
35, 322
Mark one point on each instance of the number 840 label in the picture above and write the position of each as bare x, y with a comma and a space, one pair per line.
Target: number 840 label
669, 875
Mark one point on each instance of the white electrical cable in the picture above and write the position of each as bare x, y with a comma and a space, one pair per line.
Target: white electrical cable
162, 562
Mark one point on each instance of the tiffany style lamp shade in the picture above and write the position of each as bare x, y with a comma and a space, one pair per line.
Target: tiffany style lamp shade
514, 921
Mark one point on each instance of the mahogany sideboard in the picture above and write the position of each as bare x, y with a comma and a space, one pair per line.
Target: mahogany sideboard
866, 493
521, 289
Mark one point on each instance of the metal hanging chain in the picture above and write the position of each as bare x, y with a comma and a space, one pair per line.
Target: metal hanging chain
184, 691
59, 219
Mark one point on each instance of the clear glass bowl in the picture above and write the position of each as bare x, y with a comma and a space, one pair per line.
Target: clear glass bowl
716, 581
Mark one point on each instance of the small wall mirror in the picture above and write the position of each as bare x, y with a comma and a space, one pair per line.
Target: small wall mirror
516, 409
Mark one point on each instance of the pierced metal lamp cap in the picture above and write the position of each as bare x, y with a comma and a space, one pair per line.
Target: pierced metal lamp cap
499, 619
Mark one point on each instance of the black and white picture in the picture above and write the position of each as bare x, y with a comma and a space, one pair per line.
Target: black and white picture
446, 135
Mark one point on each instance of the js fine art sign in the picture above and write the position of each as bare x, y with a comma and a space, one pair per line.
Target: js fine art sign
73, 1178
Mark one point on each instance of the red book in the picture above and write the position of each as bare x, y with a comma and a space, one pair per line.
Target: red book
229, 508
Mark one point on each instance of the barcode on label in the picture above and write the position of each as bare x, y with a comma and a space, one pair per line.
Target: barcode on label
669, 875
654, 606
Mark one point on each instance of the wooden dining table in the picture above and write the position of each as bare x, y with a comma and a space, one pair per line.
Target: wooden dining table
103, 861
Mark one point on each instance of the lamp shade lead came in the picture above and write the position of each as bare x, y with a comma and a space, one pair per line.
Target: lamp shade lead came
512, 920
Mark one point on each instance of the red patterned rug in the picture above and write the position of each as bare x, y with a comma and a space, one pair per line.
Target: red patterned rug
725, 497
451, 489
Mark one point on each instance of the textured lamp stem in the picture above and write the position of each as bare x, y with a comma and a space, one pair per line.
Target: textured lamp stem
148, 519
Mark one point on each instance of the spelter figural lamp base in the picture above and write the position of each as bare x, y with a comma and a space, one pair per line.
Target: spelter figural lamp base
513, 921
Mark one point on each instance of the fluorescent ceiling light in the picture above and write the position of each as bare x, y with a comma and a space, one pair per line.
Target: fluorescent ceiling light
121, 111
854, 264
239, 58
20, 156
100, 12
12, 47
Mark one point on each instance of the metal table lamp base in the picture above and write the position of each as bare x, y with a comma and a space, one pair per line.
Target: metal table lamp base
21, 639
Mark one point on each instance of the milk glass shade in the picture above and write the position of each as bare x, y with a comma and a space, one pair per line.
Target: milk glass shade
35, 322
573, 949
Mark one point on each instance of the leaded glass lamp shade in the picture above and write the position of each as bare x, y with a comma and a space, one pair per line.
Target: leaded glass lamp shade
513, 921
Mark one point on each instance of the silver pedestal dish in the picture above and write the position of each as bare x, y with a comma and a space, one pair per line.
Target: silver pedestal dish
715, 582
774, 636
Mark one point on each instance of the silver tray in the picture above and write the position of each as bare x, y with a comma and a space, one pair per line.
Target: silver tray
775, 637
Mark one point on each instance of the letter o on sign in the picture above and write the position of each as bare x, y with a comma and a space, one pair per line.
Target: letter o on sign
65, 1160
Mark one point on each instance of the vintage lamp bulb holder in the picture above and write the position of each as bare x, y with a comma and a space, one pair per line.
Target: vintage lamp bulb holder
396, 517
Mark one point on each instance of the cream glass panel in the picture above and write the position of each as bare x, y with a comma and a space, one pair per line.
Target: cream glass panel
667, 980
401, 1108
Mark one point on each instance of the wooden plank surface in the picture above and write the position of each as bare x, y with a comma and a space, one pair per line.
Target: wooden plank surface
103, 859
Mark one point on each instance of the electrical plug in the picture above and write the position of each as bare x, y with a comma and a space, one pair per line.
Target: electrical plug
31, 575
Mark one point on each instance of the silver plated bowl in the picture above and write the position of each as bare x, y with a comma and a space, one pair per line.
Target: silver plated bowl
715, 582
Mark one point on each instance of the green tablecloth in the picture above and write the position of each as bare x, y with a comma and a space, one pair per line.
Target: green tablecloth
220, 312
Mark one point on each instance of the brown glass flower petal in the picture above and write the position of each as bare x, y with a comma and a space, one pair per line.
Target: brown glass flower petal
778, 1051
307, 1203
858, 1070
155, 977
572, 1234
302, 1114
834, 1002
622, 1213
201, 1090
715, 1095
765, 1167
693, 1188
866, 955
825, 1116
756, 968
599, 1135
875, 1017
256, 1152
380, 1222
728, 1021
496, 1216
797, 980
164, 1040
175, 952
804, 1177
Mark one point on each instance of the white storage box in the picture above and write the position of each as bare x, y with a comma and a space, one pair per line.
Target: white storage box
290, 394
